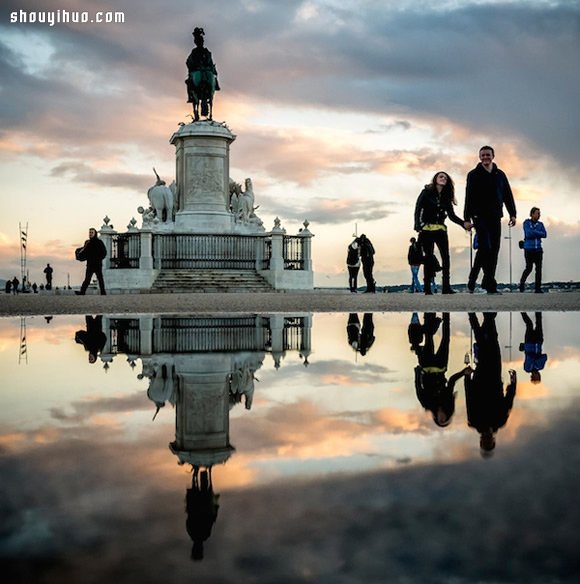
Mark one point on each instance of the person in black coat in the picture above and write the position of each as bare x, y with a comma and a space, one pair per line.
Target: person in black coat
94, 252
367, 256
486, 193
434, 205
93, 339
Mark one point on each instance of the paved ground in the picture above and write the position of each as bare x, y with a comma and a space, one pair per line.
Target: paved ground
315, 301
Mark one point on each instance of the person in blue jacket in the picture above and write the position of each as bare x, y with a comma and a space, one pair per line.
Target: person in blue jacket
534, 232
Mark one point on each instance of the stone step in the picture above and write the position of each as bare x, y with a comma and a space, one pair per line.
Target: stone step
210, 281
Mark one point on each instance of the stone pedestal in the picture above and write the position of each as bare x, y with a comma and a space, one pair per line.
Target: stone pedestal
202, 177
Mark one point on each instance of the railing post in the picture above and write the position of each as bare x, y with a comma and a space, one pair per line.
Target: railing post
276, 252
146, 259
106, 232
306, 236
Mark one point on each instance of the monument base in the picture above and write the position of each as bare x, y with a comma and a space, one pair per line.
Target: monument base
204, 222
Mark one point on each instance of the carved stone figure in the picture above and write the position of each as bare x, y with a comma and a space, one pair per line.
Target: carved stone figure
162, 199
202, 79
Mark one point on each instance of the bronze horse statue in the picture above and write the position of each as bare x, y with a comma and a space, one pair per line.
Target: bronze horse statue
202, 81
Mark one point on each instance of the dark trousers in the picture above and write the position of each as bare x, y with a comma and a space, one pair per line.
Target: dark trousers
368, 274
489, 240
96, 270
428, 240
352, 277
533, 258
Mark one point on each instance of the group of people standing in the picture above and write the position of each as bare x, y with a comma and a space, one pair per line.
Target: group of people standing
488, 191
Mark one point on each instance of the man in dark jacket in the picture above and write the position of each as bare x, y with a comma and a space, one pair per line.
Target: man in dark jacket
94, 251
487, 191
367, 253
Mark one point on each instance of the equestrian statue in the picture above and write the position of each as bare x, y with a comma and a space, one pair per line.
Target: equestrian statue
202, 81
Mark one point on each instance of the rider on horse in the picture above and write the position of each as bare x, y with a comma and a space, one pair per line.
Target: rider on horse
202, 79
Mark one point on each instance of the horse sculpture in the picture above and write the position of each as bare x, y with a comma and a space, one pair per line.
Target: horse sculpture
202, 81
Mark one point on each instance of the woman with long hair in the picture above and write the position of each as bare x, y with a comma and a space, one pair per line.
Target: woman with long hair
434, 205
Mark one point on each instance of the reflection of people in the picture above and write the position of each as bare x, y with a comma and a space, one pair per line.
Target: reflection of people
434, 392
534, 232
415, 259
415, 332
434, 205
367, 253
202, 508
361, 339
534, 359
94, 251
48, 273
353, 329
353, 265
488, 406
367, 334
93, 338
487, 191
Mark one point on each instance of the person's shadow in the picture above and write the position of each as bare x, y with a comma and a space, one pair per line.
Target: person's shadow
93, 339
434, 392
488, 404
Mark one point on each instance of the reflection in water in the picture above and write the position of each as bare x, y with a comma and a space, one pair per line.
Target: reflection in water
434, 392
93, 339
338, 472
534, 359
203, 367
361, 339
488, 406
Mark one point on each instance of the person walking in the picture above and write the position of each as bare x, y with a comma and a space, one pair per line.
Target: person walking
434, 205
48, 273
353, 265
367, 253
15, 284
486, 193
94, 252
415, 259
534, 232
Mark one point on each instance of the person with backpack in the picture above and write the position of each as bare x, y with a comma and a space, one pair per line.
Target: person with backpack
534, 232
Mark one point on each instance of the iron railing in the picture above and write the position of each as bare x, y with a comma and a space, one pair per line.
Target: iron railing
206, 251
125, 250
293, 252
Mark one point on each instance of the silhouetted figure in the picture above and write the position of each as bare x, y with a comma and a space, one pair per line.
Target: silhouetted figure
488, 406
367, 256
35, 288
367, 334
48, 273
353, 265
434, 392
93, 339
201, 505
94, 252
15, 284
534, 359
8, 286
415, 259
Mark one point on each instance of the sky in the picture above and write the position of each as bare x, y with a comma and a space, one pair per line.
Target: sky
343, 111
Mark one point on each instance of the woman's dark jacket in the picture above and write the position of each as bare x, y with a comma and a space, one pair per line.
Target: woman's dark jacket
432, 208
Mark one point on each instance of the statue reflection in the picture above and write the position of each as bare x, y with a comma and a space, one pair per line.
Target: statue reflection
93, 339
534, 359
202, 506
488, 405
361, 339
434, 392
204, 367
